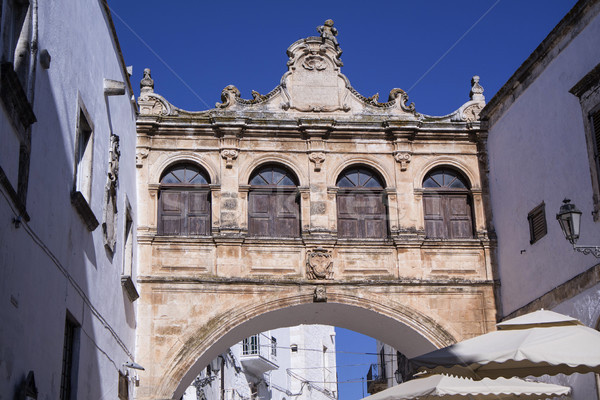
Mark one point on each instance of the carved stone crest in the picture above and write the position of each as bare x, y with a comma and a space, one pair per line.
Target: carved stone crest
319, 264
318, 158
320, 294
314, 62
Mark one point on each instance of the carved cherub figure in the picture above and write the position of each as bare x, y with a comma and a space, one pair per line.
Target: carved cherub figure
327, 31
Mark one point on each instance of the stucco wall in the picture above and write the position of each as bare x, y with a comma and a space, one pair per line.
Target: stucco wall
538, 153
53, 264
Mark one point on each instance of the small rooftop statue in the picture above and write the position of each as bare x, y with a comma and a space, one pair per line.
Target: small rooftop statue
327, 31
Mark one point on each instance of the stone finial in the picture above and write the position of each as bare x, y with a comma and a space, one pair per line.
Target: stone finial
476, 90
327, 31
147, 83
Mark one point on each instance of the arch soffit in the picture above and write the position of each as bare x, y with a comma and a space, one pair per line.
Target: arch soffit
166, 161
286, 162
359, 161
196, 341
441, 162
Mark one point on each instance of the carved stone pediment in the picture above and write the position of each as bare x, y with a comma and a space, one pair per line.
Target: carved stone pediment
314, 83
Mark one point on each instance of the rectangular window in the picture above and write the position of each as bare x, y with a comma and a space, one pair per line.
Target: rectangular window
69, 363
587, 90
537, 223
250, 346
595, 133
128, 246
127, 274
83, 177
273, 346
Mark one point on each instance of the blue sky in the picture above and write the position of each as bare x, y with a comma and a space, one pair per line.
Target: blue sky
431, 49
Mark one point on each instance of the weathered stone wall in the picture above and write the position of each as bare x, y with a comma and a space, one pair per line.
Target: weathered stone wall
201, 294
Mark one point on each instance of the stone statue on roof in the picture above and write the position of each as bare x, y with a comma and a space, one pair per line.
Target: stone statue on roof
327, 31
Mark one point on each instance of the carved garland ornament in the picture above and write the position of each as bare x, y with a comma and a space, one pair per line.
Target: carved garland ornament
319, 264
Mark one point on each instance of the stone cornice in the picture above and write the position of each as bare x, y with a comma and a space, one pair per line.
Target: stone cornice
449, 284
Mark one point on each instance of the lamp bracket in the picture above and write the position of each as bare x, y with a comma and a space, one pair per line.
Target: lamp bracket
595, 250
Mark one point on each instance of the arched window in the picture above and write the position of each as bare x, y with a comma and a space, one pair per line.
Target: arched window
447, 205
273, 204
184, 201
361, 207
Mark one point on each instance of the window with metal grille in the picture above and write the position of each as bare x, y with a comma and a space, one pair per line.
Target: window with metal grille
68, 376
537, 223
273, 346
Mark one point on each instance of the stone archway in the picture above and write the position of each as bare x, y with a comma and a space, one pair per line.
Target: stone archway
202, 293
403, 316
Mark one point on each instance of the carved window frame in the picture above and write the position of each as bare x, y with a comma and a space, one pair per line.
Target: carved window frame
13, 96
588, 92
129, 254
83, 166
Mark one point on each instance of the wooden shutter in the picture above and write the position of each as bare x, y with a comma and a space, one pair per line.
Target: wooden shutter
434, 218
458, 213
258, 214
537, 223
171, 210
347, 215
595, 122
361, 215
285, 210
198, 212
372, 212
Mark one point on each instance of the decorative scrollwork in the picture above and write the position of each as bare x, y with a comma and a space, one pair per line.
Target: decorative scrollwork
314, 62
403, 158
229, 155
318, 158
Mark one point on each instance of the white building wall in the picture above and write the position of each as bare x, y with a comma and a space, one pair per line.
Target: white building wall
53, 265
300, 375
538, 153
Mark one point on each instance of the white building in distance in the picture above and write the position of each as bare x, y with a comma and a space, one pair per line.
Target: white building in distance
296, 363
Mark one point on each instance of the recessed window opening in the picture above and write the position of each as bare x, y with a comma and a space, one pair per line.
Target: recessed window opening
184, 201
361, 208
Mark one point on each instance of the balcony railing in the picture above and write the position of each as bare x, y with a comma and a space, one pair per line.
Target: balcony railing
376, 379
258, 355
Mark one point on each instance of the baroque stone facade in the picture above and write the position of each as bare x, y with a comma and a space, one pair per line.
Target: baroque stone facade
309, 204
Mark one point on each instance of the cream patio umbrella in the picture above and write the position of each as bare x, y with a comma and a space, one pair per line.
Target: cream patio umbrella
438, 387
535, 344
